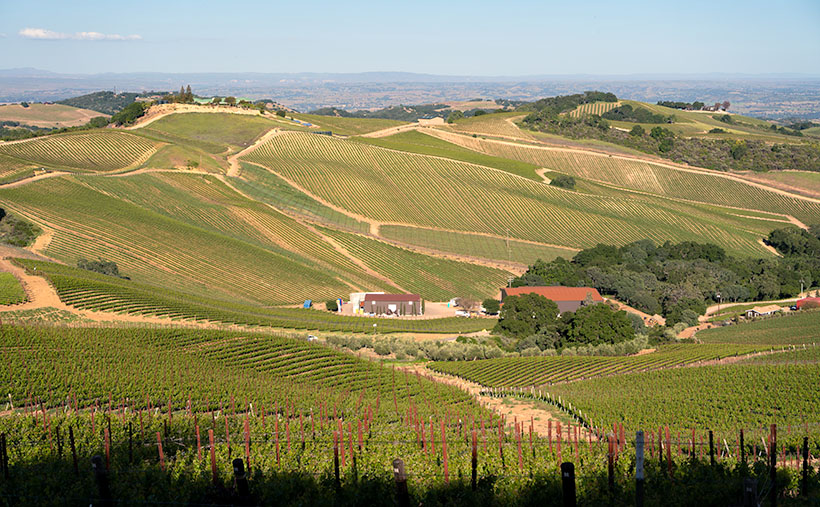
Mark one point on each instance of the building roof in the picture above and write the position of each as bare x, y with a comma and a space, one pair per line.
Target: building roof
801, 302
392, 297
766, 309
558, 293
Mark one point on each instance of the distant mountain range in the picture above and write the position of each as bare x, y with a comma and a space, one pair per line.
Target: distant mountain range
768, 95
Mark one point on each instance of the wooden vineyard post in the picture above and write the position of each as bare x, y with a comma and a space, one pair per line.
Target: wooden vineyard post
639, 471
107, 448
276, 437
73, 450
4, 456
711, 448
568, 484
336, 460
474, 462
101, 478
227, 435
611, 463
198, 444
742, 448
804, 482
773, 464
444, 454
213, 456
399, 475
159, 449
247, 443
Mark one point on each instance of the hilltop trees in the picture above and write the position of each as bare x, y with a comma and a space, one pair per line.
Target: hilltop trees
680, 280
526, 315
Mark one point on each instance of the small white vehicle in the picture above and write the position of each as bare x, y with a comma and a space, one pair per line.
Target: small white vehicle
312, 338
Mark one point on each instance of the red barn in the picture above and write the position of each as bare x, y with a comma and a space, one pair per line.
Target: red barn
568, 299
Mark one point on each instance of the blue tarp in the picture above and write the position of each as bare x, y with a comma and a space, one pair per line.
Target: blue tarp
308, 303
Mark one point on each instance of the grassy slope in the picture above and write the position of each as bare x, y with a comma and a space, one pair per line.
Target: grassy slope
348, 126
213, 132
47, 115
395, 187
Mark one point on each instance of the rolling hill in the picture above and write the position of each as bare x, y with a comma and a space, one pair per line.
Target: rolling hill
260, 211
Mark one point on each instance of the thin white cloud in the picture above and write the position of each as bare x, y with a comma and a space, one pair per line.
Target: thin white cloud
43, 34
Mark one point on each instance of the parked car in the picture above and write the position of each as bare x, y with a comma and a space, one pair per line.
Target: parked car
312, 338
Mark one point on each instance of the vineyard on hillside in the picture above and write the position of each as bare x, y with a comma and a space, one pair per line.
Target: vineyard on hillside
211, 132
11, 292
544, 371
394, 187
85, 152
598, 108
653, 178
495, 124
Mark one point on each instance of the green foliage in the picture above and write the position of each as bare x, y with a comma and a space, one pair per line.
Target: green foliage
795, 242
455, 116
98, 122
637, 131
563, 181
693, 106
738, 150
332, 305
725, 118
491, 306
595, 325
101, 266
401, 113
17, 231
280, 113
679, 280
637, 115
231, 101
717, 130
103, 102
553, 106
526, 315
130, 113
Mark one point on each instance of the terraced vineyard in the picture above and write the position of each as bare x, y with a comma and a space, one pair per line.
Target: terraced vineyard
394, 187
545, 371
11, 292
598, 108
97, 151
92, 291
653, 178
791, 329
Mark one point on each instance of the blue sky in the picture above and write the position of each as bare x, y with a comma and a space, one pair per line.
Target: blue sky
439, 37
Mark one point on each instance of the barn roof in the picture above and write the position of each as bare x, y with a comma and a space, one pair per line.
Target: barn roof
558, 293
392, 297
766, 309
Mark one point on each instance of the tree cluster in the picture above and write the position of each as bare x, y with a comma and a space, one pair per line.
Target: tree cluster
553, 106
636, 115
17, 231
717, 154
130, 113
680, 280
563, 181
688, 106
534, 321
101, 266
